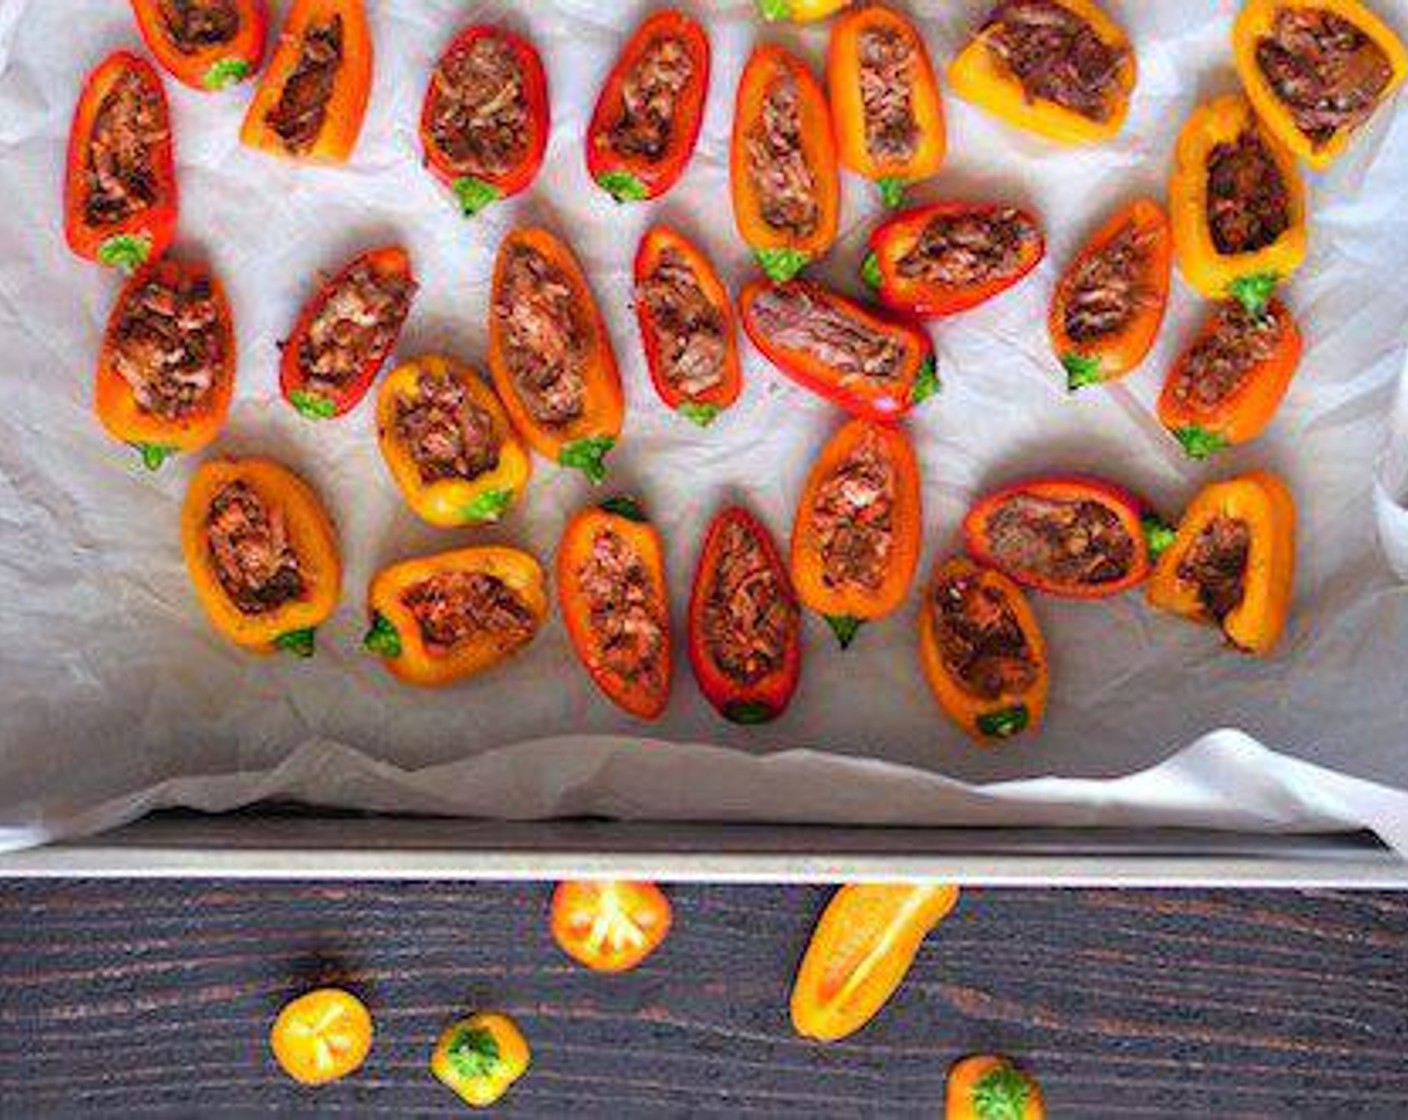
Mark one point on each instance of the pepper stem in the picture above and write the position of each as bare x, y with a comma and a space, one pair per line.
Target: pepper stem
588, 456
227, 72
153, 454
845, 627
1158, 535
891, 191
775, 10
311, 406
623, 505
926, 382
870, 271
488, 506
382, 638
474, 194
474, 1053
1254, 292
701, 414
748, 712
1005, 722
781, 265
622, 186
126, 251
1199, 443
300, 643
1081, 370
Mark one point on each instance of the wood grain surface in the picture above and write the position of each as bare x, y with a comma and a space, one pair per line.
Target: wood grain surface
138, 998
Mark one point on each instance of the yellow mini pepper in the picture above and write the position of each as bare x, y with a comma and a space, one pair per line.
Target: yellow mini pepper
479, 1058
799, 11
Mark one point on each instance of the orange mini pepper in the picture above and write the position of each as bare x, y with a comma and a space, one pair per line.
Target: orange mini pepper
609, 925
798, 11
275, 123
205, 63
990, 1087
290, 625
479, 1058
453, 500
846, 77
416, 625
783, 249
156, 437
322, 1036
1233, 562
1319, 146
1094, 341
860, 952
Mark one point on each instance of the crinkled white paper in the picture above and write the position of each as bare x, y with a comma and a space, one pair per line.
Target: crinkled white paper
116, 697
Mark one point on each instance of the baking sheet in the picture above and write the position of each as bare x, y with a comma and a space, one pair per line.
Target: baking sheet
115, 696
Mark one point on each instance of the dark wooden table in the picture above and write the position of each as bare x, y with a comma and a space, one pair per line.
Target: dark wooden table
128, 998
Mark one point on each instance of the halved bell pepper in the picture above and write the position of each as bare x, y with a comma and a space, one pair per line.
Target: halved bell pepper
322, 1036
848, 603
980, 74
476, 187
990, 1087
479, 1058
897, 237
799, 11
295, 379
1099, 336
452, 500
1073, 536
701, 407
846, 76
616, 604
742, 583
1233, 562
281, 120
1254, 26
860, 951
1228, 411
395, 632
156, 437
609, 925
289, 625
633, 175
783, 250
584, 441
123, 231
223, 52
1004, 630
1250, 277
884, 395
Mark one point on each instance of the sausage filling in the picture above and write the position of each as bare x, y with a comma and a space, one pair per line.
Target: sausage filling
1110, 287
479, 118
1217, 564
546, 340
980, 640
1223, 356
1324, 69
650, 99
799, 317
969, 247
169, 344
1249, 206
121, 177
624, 611
887, 65
196, 25
748, 612
250, 550
445, 432
777, 165
1056, 56
689, 329
452, 608
854, 517
356, 325
1060, 541
302, 108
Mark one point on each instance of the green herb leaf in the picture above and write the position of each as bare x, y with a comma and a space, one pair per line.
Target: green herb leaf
891, 191
488, 506
300, 643
474, 1053
622, 505
870, 271
622, 186
781, 264
227, 72
926, 382
1081, 370
1254, 292
1158, 535
382, 638
775, 10
1199, 443
1005, 723
474, 194
701, 414
588, 456
749, 712
1001, 1095
311, 406
153, 454
126, 251
845, 627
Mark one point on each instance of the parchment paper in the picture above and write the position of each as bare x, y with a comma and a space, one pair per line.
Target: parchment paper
116, 697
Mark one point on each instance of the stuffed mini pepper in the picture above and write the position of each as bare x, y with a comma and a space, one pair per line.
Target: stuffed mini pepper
205, 44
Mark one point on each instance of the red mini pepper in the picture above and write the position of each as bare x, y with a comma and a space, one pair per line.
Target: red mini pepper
145, 232
207, 63
630, 176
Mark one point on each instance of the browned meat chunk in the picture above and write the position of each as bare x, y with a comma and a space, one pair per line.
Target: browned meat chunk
853, 517
1060, 541
796, 316
546, 340
169, 344
446, 433
1324, 69
303, 104
1220, 360
455, 607
777, 165
980, 639
1056, 55
250, 550
195, 25
623, 607
1249, 206
479, 121
689, 329
359, 320
1109, 287
969, 247
748, 613
121, 177
650, 99
887, 64
1217, 564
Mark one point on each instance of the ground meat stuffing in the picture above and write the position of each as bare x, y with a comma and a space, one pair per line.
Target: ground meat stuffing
1110, 287
1324, 69
446, 433
980, 639
455, 607
1220, 360
748, 613
853, 517
797, 316
777, 165
250, 550
1062, 541
650, 99
196, 25
303, 104
1217, 565
169, 344
887, 62
545, 338
689, 329
1056, 55
129, 124
358, 322
624, 611
479, 121
969, 247
1249, 206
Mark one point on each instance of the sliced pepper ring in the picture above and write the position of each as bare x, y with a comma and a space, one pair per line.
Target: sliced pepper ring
322, 1036
209, 66
609, 925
